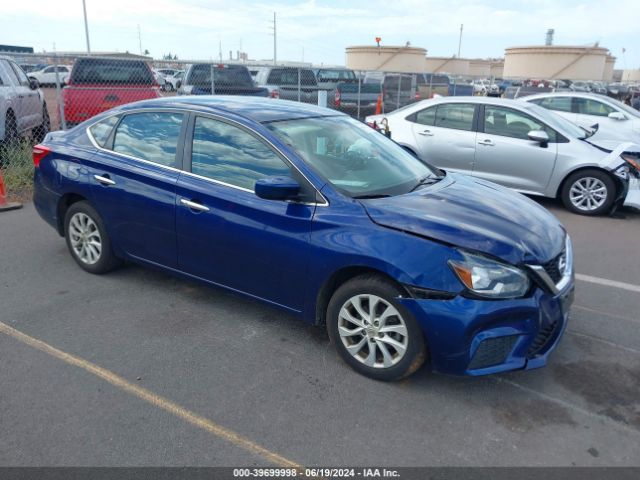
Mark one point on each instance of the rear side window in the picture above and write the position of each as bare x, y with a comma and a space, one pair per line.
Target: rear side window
458, 116
150, 136
111, 72
231, 155
100, 131
426, 116
588, 106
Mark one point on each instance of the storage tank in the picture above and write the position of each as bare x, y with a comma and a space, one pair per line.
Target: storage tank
389, 58
609, 64
555, 61
450, 65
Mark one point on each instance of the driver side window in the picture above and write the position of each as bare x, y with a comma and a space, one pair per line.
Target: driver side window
512, 123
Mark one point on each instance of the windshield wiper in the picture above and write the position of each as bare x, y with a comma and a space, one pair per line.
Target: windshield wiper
366, 197
426, 180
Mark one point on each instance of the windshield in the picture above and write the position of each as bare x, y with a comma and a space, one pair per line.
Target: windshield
623, 106
111, 72
354, 158
557, 122
222, 75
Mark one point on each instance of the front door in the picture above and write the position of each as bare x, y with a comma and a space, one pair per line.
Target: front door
507, 156
229, 236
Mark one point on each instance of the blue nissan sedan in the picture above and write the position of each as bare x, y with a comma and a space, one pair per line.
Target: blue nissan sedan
318, 214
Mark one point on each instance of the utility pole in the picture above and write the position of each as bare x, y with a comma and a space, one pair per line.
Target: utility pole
139, 39
274, 39
86, 25
220, 50
460, 39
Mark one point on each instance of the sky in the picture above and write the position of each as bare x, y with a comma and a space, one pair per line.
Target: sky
318, 31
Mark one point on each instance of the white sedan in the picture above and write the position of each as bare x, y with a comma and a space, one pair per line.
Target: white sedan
616, 121
521, 146
47, 76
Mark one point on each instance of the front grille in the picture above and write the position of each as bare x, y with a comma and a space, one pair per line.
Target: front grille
553, 267
543, 337
492, 351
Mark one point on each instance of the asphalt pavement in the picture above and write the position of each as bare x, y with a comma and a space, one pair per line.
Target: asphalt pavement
139, 368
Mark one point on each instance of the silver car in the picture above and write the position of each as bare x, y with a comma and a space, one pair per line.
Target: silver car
616, 121
519, 145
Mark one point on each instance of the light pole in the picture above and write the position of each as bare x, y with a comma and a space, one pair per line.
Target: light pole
86, 25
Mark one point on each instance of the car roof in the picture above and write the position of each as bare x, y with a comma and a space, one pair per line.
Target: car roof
568, 93
506, 102
258, 109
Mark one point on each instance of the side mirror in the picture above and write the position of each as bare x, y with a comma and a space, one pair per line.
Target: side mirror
277, 188
617, 116
33, 84
539, 136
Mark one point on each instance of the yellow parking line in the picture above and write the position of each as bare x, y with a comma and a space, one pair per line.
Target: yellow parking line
152, 398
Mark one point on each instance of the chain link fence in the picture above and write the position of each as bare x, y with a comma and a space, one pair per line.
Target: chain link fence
43, 92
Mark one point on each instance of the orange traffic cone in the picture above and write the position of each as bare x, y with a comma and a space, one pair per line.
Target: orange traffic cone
379, 105
4, 205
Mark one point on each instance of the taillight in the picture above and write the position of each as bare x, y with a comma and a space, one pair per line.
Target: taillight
337, 98
417, 96
39, 152
275, 94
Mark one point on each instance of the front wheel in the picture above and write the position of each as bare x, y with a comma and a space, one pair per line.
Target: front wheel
589, 192
87, 239
373, 332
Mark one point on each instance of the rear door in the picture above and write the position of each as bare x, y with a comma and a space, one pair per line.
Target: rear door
229, 236
30, 104
445, 135
134, 177
505, 154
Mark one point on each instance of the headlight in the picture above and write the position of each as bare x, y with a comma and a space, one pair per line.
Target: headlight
488, 278
634, 162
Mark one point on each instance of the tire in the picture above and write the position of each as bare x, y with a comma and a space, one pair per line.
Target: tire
40, 132
361, 292
82, 227
589, 192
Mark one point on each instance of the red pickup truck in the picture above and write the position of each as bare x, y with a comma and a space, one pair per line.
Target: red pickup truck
98, 84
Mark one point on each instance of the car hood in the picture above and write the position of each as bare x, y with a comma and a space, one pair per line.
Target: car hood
476, 215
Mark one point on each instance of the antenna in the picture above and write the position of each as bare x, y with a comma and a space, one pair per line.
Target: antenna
274, 27
139, 39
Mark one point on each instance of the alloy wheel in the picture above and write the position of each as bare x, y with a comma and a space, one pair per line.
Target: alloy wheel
373, 331
85, 238
588, 193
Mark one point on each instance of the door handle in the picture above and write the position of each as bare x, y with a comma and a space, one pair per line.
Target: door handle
426, 133
104, 180
194, 205
486, 142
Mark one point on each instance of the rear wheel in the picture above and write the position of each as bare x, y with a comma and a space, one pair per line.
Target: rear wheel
373, 332
87, 239
589, 192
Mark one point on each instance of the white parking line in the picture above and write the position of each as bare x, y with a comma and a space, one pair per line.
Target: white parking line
609, 283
